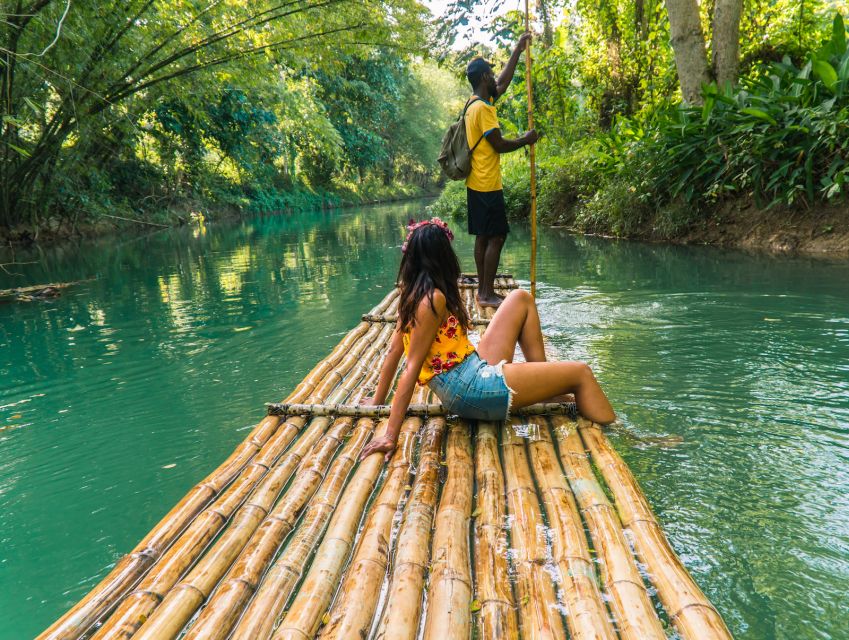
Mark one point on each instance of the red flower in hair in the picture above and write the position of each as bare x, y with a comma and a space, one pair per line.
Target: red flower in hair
412, 226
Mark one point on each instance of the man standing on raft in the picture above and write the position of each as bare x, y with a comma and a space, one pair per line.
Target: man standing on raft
484, 195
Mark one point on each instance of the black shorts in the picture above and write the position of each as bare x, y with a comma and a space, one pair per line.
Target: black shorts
487, 214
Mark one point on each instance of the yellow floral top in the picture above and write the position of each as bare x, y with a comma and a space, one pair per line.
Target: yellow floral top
450, 347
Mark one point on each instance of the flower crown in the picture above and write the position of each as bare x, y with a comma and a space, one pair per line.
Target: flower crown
412, 225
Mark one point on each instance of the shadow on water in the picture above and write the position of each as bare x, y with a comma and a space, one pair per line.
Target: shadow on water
730, 372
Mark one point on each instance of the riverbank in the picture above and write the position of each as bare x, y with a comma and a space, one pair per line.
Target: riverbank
743, 225
57, 230
566, 200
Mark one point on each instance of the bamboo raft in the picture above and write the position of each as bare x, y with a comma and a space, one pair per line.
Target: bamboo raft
534, 528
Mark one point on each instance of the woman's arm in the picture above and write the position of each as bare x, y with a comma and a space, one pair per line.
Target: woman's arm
387, 371
427, 324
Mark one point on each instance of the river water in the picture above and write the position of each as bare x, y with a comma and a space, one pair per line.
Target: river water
730, 372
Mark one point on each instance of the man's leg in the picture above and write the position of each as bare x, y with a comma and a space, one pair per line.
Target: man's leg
480, 252
486, 284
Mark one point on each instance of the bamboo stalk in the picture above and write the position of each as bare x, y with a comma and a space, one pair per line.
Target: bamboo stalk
311, 602
392, 319
224, 607
134, 610
533, 162
497, 617
450, 592
355, 604
629, 600
498, 284
183, 601
586, 615
138, 606
689, 609
400, 617
474, 276
388, 300
132, 567
277, 586
538, 609
188, 595
415, 409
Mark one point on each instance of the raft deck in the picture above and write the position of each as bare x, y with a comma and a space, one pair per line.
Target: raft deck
490, 530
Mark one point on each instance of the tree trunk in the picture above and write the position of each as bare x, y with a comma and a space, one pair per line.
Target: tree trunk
688, 43
726, 39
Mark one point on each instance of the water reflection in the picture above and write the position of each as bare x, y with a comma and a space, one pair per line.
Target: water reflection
122, 393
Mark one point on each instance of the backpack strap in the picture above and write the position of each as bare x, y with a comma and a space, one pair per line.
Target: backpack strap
466, 108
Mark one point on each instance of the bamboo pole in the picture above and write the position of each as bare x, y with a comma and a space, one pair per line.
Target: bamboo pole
134, 610
223, 609
587, 617
277, 585
185, 598
494, 594
499, 283
311, 602
450, 592
401, 615
539, 616
354, 606
621, 581
415, 409
138, 606
533, 212
392, 319
261, 528
689, 609
474, 276
132, 567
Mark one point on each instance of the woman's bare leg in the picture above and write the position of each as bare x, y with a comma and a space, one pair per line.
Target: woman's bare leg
537, 381
516, 321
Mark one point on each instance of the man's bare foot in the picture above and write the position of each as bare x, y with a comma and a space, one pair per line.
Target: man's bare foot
492, 301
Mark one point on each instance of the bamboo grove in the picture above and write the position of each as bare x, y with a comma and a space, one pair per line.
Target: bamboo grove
140, 106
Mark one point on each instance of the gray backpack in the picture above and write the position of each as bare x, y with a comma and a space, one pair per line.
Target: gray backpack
456, 157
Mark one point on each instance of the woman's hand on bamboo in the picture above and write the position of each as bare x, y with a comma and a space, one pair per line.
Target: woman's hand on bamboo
384, 444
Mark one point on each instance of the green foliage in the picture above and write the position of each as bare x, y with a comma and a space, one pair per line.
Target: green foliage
781, 137
139, 106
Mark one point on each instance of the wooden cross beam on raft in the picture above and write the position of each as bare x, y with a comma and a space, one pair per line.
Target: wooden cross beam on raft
371, 317
473, 285
474, 276
416, 409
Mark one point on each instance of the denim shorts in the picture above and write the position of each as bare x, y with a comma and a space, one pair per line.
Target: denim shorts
474, 390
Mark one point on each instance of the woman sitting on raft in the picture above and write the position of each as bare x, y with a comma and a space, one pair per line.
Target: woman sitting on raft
431, 331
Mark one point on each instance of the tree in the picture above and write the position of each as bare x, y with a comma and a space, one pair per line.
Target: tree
73, 73
688, 43
725, 48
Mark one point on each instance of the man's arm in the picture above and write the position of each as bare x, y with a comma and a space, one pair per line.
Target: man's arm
506, 75
506, 145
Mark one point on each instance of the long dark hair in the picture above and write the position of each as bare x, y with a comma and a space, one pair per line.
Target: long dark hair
429, 263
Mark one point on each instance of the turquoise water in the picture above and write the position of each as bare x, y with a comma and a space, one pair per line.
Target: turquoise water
120, 395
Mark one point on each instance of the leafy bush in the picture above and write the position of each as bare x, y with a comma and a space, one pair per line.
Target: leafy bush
782, 136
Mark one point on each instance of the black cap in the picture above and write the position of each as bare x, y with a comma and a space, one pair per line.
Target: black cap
476, 68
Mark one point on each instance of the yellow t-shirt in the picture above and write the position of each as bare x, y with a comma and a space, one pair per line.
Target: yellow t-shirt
486, 161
